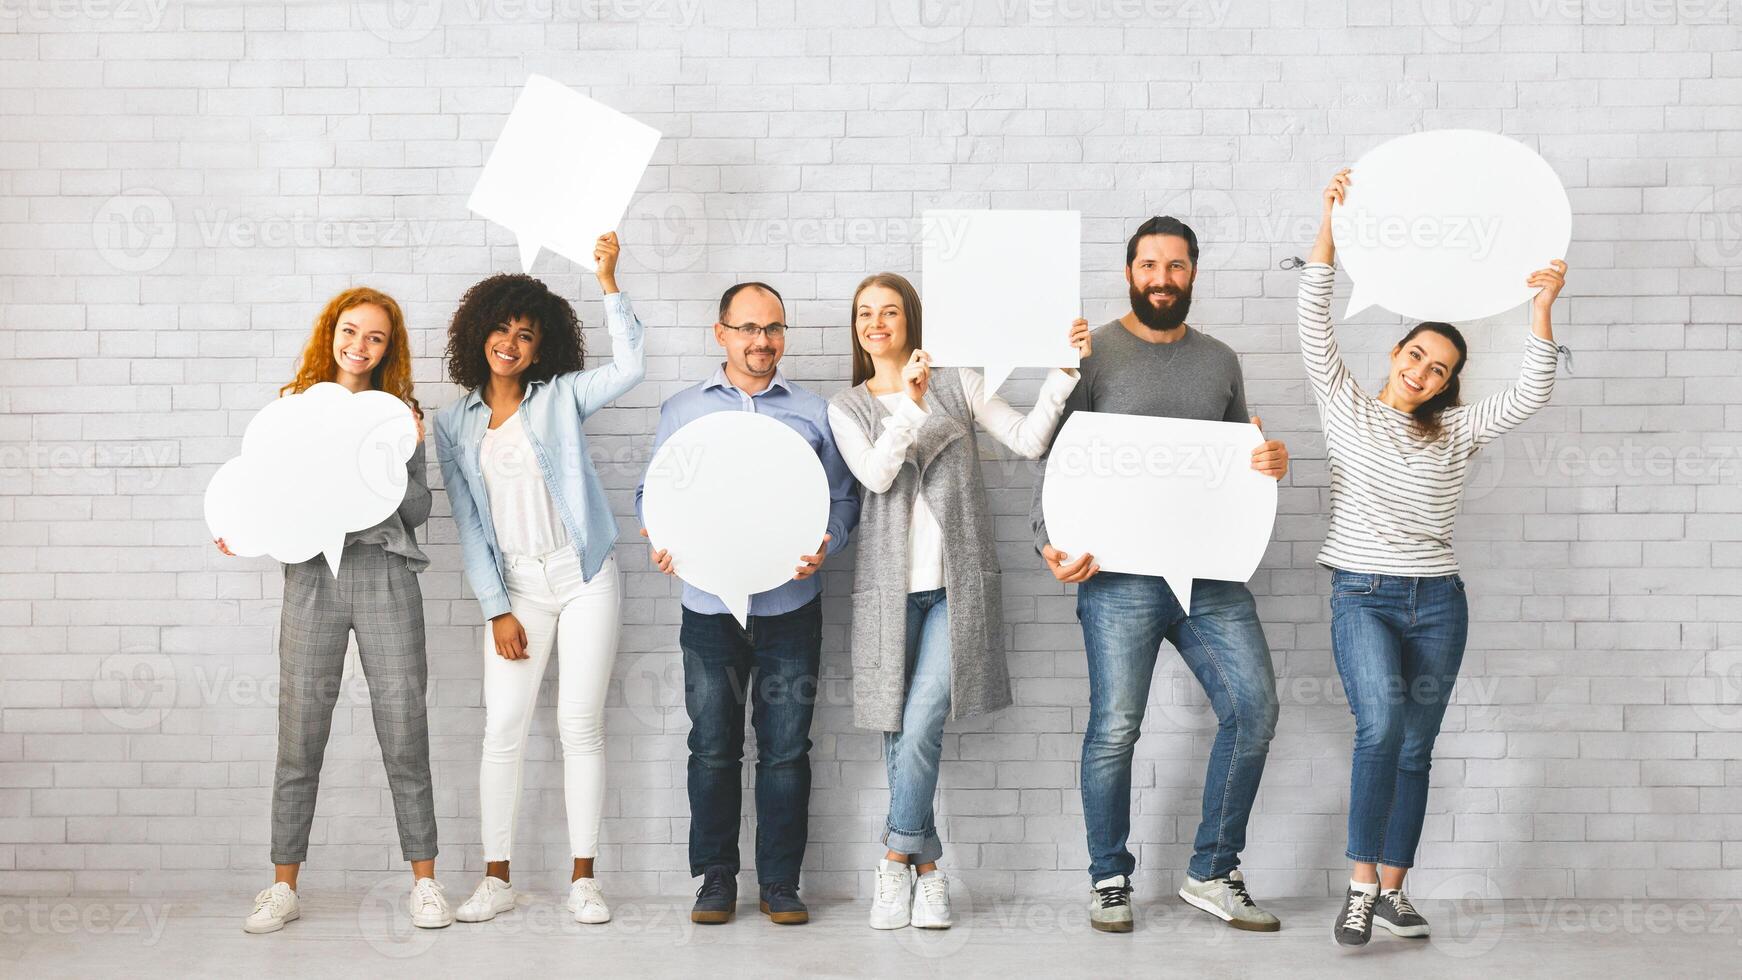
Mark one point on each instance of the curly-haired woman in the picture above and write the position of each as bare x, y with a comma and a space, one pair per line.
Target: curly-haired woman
359, 341
537, 534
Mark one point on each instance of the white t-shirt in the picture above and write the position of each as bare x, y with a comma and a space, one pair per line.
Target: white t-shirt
876, 464
520, 504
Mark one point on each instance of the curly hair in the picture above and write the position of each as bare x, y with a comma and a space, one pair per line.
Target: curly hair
497, 300
392, 375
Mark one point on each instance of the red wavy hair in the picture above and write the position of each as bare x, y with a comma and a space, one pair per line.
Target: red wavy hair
392, 375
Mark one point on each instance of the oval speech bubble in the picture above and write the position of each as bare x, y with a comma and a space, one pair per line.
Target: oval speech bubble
1448, 224
1176, 498
314, 466
736, 498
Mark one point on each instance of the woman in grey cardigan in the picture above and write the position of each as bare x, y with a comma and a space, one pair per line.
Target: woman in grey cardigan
928, 635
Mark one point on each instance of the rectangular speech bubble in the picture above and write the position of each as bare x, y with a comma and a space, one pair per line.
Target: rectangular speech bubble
563, 171
1176, 498
1001, 289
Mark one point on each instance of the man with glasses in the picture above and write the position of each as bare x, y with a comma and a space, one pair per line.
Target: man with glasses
772, 663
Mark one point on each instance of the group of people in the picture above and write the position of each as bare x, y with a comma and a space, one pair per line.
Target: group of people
901, 451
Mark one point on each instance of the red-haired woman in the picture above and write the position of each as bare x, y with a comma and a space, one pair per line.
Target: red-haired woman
359, 341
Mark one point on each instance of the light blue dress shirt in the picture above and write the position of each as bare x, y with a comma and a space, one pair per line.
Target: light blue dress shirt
551, 412
808, 415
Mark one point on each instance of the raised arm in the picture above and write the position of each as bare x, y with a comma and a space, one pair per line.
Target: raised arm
1027, 435
1494, 415
876, 464
594, 389
1318, 342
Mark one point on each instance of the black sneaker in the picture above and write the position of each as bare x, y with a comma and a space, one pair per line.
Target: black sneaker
780, 902
1354, 925
717, 898
1394, 913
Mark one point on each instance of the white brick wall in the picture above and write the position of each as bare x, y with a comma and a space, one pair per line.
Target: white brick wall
183, 183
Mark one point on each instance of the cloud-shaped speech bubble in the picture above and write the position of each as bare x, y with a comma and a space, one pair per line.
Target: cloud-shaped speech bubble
1448, 224
1176, 498
314, 466
562, 172
736, 498
1001, 289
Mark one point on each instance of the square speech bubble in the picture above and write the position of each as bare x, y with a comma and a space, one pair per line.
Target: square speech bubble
563, 171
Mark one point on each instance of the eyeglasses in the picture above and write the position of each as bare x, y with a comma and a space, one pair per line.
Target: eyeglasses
773, 331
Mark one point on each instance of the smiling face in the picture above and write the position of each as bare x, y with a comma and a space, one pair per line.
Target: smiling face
880, 321
510, 348
1160, 278
757, 356
360, 339
1421, 367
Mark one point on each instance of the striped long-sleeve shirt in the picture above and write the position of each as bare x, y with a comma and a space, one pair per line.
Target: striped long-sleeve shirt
1394, 495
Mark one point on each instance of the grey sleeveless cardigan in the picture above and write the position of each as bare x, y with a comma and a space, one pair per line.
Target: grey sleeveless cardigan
944, 464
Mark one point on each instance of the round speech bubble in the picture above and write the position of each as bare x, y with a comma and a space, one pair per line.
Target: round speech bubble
1176, 498
314, 466
736, 498
1448, 224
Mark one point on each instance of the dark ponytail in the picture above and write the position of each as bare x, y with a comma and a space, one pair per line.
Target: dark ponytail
1427, 414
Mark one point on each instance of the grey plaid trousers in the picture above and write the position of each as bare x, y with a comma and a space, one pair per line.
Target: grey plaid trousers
376, 595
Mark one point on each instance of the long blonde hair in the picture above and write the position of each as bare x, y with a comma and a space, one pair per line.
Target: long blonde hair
392, 375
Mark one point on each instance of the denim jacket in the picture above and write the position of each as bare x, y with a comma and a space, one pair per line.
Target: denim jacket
552, 412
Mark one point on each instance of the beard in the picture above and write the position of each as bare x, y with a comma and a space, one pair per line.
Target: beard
1161, 317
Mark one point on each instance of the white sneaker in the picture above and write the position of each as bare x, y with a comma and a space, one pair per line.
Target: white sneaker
931, 901
273, 907
1226, 898
892, 903
587, 902
429, 905
493, 897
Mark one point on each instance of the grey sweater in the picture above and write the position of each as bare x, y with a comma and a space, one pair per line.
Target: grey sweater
396, 533
1195, 377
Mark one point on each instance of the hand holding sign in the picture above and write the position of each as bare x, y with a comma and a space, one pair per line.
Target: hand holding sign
1449, 224
736, 503
1001, 287
1178, 498
314, 466
562, 172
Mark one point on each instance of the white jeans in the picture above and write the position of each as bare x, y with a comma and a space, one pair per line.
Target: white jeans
556, 608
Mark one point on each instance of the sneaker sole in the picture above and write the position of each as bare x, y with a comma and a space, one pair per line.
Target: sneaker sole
1338, 941
434, 923
885, 926
462, 917
786, 918
1198, 903
274, 927
930, 925
1111, 926
1403, 932
593, 921
710, 918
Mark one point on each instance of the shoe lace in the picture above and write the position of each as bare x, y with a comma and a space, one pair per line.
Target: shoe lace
1238, 887
782, 889
428, 893
272, 899
1400, 902
890, 885
713, 885
936, 888
1360, 907
1113, 896
586, 889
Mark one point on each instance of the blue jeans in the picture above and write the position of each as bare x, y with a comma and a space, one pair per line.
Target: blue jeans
912, 753
1125, 618
1398, 642
772, 664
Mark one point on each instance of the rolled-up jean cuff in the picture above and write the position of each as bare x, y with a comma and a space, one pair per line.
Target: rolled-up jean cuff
920, 848
1370, 859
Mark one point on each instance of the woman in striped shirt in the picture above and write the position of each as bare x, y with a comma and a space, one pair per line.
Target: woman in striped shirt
1398, 611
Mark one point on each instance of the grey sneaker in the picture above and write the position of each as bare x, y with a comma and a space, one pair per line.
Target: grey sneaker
1226, 899
1354, 924
1110, 904
1394, 914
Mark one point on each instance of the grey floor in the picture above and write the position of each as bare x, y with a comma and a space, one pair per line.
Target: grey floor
365, 934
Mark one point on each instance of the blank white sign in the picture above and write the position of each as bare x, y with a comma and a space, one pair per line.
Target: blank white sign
1001, 289
1176, 498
